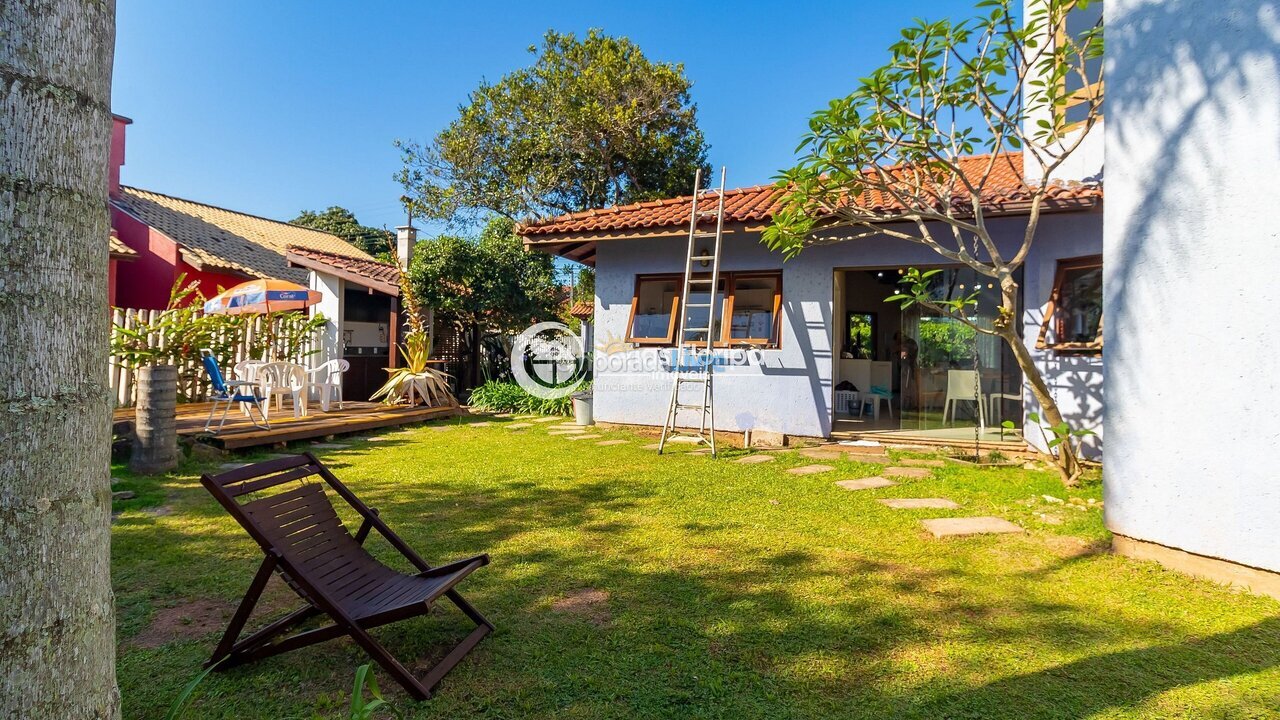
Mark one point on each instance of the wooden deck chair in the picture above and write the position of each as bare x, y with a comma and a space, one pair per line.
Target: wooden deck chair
281, 504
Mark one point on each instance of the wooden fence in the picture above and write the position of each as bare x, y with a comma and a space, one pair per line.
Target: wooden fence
193, 383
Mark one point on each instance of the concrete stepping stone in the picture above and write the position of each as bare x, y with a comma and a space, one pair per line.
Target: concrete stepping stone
518, 426
439, 428
651, 446
330, 446
566, 431
568, 426
484, 423
378, 438
906, 472
582, 437
553, 418
919, 503
810, 469
958, 527
755, 459
610, 443
232, 466
123, 495
870, 483
823, 453
916, 462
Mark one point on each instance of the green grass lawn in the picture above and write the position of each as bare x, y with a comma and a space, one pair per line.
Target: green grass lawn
628, 585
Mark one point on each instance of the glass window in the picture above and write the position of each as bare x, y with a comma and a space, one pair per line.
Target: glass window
1073, 317
861, 338
697, 315
755, 303
654, 309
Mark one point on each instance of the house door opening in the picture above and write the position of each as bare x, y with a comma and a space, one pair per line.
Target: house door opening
918, 371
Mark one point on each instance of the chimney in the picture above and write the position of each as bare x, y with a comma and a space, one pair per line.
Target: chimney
118, 124
406, 238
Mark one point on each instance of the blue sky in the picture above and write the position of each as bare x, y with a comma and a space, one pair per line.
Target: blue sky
275, 107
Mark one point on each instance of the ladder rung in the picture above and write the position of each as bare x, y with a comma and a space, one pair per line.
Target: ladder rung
688, 330
687, 406
702, 257
689, 305
704, 234
701, 380
704, 281
708, 213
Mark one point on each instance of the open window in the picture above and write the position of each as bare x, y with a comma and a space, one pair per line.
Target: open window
1073, 317
747, 306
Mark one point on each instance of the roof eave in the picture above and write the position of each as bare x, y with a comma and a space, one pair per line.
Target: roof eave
299, 261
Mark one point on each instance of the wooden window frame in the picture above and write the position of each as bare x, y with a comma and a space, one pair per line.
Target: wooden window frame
724, 341
672, 326
1066, 265
1082, 95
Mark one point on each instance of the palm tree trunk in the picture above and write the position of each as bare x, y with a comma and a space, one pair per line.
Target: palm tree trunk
57, 656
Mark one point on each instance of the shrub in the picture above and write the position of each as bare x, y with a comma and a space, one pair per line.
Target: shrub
498, 396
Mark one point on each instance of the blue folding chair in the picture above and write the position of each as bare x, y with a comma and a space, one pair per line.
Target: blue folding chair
229, 393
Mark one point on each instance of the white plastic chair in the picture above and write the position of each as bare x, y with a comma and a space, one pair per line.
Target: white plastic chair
962, 386
327, 380
278, 379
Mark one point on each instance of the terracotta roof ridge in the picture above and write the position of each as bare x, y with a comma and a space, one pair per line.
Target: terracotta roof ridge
642, 204
229, 210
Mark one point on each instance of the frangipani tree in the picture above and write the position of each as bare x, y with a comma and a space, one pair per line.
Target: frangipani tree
939, 139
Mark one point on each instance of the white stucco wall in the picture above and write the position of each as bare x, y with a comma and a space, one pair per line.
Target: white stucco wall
331, 289
789, 389
1192, 234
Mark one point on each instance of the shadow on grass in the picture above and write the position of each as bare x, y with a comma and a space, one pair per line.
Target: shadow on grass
704, 618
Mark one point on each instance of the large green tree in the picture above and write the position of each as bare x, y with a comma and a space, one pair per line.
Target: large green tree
490, 281
919, 148
342, 222
592, 122
57, 614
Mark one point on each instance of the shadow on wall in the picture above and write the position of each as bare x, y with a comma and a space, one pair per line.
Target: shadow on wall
1154, 82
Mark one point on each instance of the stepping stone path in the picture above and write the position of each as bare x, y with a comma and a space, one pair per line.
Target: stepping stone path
914, 462
582, 437
546, 419
823, 453
439, 428
329, 446
566, 431
378, 438
608, 443
953, 527
567, 426
810, 469
905, 472
486, 423
652, 446
123, 495
870, 483
517, 426
755, 459
919, 503
231, 466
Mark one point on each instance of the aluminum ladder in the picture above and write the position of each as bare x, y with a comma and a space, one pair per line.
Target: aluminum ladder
694, 359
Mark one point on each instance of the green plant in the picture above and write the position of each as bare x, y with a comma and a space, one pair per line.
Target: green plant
415, 376
362, 709
495, 396
1056, 437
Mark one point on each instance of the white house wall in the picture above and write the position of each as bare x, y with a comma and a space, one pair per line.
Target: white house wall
789, 389
1192, 248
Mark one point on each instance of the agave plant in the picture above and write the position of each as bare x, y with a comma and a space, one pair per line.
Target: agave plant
416, 380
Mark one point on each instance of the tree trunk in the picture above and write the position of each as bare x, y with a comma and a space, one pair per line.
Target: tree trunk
1064, 454
57, 656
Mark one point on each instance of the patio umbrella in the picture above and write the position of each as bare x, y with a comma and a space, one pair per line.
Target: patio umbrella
262, 296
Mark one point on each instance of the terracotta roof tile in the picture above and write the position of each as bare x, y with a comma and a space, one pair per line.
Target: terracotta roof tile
377, 274
229, 240
118, 249
582, 309
758, 204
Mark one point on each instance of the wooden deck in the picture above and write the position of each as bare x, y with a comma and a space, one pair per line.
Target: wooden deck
238, 432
